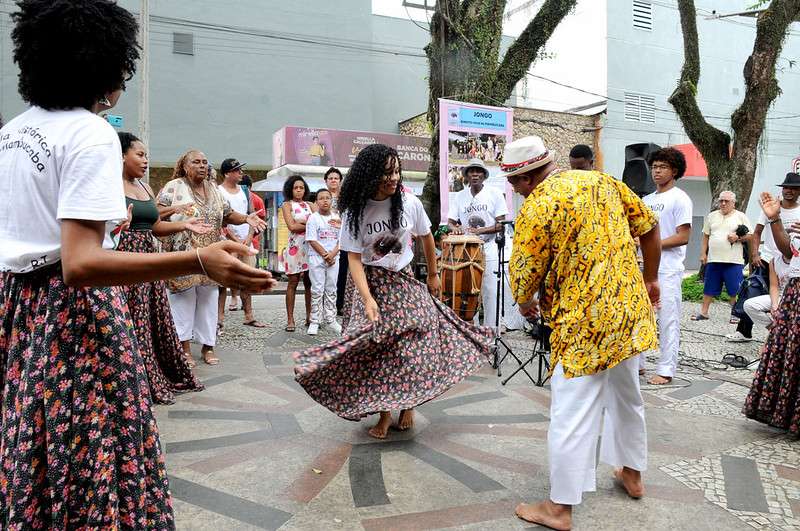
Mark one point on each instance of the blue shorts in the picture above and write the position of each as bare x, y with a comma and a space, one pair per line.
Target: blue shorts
717, 272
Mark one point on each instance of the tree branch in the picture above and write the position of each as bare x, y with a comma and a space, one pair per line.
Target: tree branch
761, 86
710, 141
524, 51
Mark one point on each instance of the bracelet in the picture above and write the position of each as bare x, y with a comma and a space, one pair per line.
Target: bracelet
197, 252
772, 221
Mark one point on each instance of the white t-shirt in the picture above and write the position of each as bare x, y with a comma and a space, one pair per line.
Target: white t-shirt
717, 227
238, 203
323, 230
55, 165
478, 211
788, 216
377, 243
673, 208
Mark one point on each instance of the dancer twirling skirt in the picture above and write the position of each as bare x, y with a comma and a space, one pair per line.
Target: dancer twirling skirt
774, 396
401, 345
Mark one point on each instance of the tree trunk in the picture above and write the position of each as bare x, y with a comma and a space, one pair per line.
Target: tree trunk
733, 167
464, 63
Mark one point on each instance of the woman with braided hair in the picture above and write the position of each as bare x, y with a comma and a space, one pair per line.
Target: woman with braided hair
79, 445
401, 346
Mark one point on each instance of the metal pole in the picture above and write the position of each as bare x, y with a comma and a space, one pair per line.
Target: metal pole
144, 77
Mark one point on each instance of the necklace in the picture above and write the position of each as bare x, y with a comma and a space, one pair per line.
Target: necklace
195, 195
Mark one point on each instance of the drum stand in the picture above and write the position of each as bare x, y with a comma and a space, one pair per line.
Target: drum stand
540, 334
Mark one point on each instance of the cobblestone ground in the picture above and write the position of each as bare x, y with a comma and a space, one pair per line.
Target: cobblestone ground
253, 452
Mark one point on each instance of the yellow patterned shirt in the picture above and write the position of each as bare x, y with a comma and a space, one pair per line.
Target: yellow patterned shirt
575, 231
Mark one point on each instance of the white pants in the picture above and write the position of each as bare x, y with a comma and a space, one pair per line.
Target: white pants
759, 309
489, 291
195, 313
576, 413
323, 292
669, 324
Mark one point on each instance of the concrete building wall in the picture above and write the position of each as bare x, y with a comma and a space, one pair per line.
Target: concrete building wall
649, 63
239, 87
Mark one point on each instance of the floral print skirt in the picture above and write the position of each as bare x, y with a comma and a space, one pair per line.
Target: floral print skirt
416, 351
79, 445
774, 396
167, 369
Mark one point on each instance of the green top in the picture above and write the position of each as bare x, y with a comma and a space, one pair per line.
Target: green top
144, 214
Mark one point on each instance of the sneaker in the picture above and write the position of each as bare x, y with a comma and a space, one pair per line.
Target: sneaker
737, 337
335, 327
313, 328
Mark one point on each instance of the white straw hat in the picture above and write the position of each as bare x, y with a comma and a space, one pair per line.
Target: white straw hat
525, 154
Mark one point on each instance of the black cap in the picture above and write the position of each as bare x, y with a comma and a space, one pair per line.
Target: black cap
229, 165
792, 180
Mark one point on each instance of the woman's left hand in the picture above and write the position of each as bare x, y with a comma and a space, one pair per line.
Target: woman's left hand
434, 284
256, 222
197, 226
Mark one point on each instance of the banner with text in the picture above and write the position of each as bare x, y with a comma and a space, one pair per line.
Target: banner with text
469, 131
335, 147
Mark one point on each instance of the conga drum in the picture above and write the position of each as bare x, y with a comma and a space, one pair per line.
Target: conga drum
462, 264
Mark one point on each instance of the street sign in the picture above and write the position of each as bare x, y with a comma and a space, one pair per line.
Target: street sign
114, 120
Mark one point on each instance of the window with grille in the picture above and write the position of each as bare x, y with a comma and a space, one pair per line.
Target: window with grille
642, 15
183, 43
640, 108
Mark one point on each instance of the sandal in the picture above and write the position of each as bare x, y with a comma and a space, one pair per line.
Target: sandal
209, 358
290, 328
734, 320
189, 360
255, 324
699, 317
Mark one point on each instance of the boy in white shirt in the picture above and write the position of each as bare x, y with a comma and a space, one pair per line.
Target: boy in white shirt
674, 210
322, 236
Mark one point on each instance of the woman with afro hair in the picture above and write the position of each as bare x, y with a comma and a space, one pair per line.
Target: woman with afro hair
401, 346
79, 446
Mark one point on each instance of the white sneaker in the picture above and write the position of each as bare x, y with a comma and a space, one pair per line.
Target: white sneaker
737, 337
336, 327
313, 328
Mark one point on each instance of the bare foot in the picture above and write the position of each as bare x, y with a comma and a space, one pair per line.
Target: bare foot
380, 429
406, 420
657, 379
631, 481
546, 513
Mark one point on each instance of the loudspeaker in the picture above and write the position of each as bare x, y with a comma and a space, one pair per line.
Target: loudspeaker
637, 172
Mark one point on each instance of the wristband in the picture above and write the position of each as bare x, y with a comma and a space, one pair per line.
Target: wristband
773, 221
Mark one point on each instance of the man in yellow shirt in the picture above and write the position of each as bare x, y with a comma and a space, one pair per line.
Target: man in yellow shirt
574, 239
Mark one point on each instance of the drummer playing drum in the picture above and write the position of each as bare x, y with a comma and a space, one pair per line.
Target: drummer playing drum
479, 209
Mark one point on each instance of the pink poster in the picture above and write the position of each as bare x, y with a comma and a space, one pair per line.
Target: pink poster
468, 131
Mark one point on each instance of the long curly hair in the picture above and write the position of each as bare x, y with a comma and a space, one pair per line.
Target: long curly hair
361, 184
288, 185
90, 43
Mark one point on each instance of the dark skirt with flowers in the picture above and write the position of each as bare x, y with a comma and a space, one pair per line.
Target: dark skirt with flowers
774, 397
416, 351
79, 445
167, 368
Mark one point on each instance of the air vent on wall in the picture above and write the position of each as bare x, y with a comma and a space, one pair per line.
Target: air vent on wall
642, 15
640, 108
183, 43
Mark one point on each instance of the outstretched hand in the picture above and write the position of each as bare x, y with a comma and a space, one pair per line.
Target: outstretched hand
198, 226
770, 205
220, 262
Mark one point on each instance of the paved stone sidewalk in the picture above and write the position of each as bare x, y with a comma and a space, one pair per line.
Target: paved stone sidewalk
252, 451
